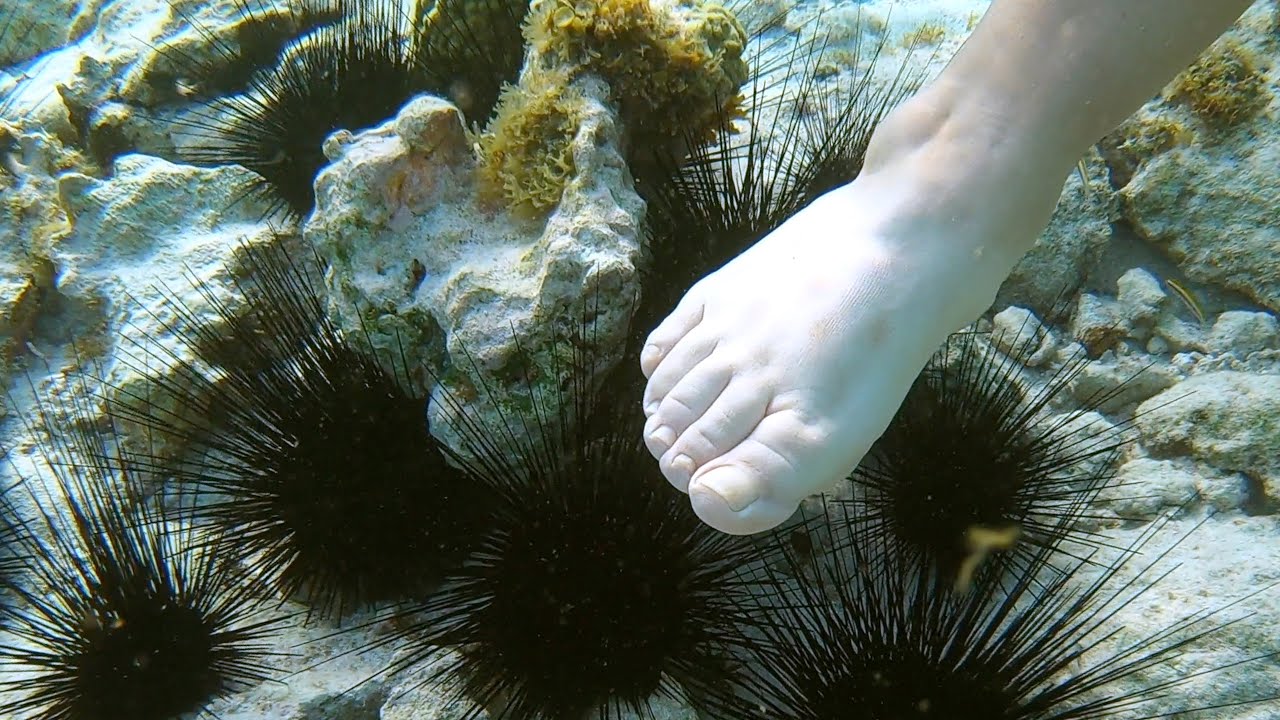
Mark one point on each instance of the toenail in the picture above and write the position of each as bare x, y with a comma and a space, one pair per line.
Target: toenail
683, 464
650, 352
663, 436
650, 408
732, 486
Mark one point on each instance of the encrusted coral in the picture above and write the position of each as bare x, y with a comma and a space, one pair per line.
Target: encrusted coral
1141, 137
671, 68
929, 33
1224, 86
1156, 135
527, 154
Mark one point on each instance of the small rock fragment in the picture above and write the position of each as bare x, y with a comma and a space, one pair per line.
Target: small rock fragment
1230, 420
1242, 332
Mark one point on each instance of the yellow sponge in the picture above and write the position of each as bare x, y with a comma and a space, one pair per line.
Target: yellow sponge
1223, 87
671, 76
527, 153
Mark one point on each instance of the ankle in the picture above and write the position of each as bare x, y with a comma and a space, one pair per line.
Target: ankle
960, 182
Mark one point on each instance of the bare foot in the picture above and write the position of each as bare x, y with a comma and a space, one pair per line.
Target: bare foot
775, 374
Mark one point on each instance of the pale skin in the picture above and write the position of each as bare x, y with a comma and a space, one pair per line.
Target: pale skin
775, 374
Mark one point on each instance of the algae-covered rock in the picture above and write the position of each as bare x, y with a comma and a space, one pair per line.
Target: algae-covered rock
1078, 231
1212, 208
1200, 165
1229, 419
1224, 86
427, 268
671, 66
526, 156
29, 27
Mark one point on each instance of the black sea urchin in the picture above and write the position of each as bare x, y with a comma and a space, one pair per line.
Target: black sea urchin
122, 610
837, 121
351, 74
595, 588
865, 634
970, 466
313, 459
262, 33
12, 559
469, 49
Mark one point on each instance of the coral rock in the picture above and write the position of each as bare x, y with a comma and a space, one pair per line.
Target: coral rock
425, 267
1228, 419
1210, 203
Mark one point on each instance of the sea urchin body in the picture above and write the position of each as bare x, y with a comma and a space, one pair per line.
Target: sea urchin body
348, 75
971, 464
595, 587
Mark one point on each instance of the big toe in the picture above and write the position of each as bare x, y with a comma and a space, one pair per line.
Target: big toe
734, 499
760, 482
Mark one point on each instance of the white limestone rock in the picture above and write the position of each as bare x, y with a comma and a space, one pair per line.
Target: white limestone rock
125, 68
1117, 383
1230, 420
422, 266
1017, 331
1211, 566
30, 220
1208, 198
150, 230
1144, 488
1141, 299
1243, 332
323, 675
1099, 323
1177, 333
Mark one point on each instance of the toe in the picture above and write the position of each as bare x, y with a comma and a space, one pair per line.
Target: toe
678, 363
759, 483
691, 397
658, 437
669, 332
722, 499
719, 428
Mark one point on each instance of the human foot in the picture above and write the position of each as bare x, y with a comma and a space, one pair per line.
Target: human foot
774, 375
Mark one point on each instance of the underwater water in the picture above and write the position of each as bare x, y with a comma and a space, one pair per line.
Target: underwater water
319, 335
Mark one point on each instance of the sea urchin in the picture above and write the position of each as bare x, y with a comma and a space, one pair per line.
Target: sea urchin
862, 633
315, 461
123, 610
350, 74
971, 464
595, 587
